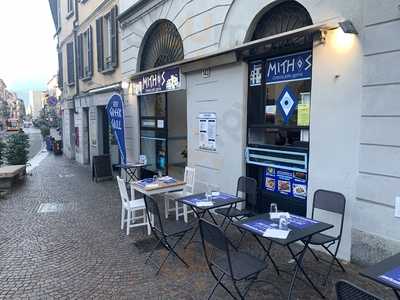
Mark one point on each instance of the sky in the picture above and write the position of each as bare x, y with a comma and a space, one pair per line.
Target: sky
28, 55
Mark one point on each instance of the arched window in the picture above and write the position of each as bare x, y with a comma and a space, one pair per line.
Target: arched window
162, 46
286, 16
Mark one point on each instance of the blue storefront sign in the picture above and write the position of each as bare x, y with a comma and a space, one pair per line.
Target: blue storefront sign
285, 182
115, 112
159, 81
291, 67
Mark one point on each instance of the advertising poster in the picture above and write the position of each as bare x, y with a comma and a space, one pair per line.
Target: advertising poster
285, 182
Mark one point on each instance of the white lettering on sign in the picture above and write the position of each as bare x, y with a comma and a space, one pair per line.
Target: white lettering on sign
116, 124
289, 66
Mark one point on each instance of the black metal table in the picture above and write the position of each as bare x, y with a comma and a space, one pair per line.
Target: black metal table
380, 273
297, 233
193, 201
131, 170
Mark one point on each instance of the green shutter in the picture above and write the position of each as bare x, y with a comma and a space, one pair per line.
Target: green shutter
114, 37
99, 43
90, 51
80, 56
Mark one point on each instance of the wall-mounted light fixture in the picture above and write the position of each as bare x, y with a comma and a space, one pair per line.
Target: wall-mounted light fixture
125, 84
348, 27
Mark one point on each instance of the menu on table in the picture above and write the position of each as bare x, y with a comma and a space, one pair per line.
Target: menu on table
393, 277
301, 222
260, 225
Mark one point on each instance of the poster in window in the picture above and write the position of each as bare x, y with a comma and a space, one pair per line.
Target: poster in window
286, 182
207, 131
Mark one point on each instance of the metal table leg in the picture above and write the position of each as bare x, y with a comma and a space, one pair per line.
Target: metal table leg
267, 253
396, 292
298, 258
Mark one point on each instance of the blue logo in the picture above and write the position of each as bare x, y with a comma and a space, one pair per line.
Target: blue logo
286, 104
115, 112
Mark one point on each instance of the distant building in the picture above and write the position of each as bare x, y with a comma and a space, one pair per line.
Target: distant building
36, 103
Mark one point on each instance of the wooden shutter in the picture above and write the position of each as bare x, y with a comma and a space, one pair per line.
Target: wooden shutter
60, 70
114, 36
99, 41
90, 51
70, 64
80, 56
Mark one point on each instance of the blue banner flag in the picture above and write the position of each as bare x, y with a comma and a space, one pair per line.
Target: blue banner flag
115, 112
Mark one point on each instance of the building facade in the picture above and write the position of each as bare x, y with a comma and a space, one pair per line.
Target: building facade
36, 103
89, 73
300, 95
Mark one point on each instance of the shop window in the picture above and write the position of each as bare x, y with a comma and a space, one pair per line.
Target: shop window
107, 41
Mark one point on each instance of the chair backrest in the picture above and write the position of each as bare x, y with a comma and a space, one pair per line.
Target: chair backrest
248, 186
153, 215
189, 178
122, 190
214, 237
348, 291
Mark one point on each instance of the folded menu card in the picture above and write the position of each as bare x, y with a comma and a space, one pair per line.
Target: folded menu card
278, 215
276, 233
151, 185
204, 203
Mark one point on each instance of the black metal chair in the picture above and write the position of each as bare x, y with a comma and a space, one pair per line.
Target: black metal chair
335, 203
348, 291
168, 234
223, 257
247, 186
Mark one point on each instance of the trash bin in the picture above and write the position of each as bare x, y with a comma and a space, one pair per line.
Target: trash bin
57, 147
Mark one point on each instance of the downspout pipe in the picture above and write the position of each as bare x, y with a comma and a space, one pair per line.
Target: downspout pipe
75, 31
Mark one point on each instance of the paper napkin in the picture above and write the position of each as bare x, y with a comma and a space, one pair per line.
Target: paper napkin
276, 233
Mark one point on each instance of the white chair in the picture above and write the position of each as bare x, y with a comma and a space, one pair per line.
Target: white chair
181, 210
131, 207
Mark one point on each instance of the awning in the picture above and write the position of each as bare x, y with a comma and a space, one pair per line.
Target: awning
230, 55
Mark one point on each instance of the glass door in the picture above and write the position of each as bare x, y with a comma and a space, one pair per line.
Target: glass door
154, 132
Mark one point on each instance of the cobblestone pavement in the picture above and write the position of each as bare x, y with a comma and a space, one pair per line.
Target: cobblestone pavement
76, 249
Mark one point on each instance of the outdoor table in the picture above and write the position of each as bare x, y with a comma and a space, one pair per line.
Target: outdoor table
195, 202
150, 187
130, 170
386, 272
301, 229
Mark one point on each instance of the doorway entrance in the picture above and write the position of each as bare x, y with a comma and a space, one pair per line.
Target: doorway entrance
163, 133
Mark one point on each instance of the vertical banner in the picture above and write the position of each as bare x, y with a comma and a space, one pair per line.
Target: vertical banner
115, 112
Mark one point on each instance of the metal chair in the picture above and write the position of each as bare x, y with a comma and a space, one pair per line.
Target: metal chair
130, 207
335, 203
248, 188
239, 266
348, 291
181, 210
168, 234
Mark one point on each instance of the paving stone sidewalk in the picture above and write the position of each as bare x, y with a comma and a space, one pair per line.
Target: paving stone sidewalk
60, 238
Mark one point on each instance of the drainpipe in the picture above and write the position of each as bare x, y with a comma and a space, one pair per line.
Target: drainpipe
75, 30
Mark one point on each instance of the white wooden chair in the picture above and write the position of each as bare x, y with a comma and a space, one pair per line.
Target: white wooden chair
181, 210
130, 207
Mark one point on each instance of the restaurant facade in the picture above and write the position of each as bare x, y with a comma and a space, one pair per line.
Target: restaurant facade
300, 95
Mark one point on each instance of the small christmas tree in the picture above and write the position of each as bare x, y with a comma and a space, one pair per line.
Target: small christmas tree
16, 149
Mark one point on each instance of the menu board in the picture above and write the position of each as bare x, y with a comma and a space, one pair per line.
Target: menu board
207, 131
290, 183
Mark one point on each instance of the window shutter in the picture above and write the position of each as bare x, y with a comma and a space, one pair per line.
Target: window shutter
114, 36
70, 64
60, 70
99, 41
80, 56
90, 51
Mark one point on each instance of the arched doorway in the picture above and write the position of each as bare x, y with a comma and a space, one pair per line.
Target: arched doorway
279, 94
163, 124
